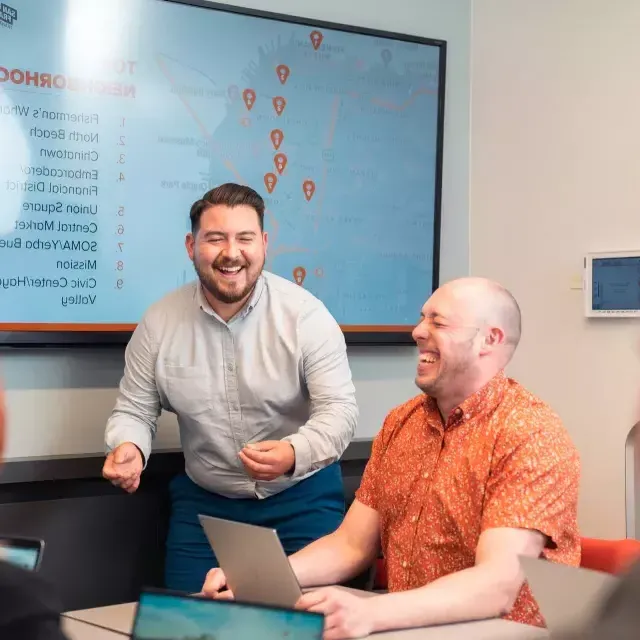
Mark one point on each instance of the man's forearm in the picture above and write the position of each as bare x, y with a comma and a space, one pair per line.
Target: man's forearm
329, 560
483, 591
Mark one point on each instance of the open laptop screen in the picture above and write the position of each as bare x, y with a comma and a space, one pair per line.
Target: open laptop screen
163, 615
23, 552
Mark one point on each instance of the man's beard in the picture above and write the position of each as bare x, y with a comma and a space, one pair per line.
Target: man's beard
449, 374
208, 281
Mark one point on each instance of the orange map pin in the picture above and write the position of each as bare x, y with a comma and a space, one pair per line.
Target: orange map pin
249, 97
279, 103
270, 181
277, 137
283, 72
280, 161
299, 274
309, 187
316, 39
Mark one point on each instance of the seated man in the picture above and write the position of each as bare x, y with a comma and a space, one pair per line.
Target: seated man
462, 480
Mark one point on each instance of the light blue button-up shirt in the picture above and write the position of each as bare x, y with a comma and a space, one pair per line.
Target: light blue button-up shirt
278, 370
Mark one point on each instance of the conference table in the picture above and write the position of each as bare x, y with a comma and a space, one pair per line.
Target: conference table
116, 621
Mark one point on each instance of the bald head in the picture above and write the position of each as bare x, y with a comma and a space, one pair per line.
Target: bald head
484, 302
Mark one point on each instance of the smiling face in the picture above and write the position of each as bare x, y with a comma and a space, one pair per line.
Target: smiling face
448, 339
228, 251
468, 331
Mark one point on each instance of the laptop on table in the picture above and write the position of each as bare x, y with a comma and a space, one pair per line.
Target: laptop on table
166, 615
254, 562
173, 615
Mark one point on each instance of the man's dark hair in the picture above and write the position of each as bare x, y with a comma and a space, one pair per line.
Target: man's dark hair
230, 194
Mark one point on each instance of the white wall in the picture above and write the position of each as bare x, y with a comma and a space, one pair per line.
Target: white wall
59, 401
556, 173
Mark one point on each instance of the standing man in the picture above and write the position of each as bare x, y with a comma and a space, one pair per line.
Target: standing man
256, 370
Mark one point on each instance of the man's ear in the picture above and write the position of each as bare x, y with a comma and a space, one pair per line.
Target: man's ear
494, 338
189, 243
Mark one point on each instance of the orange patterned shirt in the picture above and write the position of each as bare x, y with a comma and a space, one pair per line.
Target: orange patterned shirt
503, 459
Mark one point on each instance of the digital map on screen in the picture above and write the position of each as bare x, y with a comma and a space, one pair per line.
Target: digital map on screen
128, 111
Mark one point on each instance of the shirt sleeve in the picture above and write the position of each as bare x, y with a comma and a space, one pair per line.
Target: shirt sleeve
334, 411
134, 417
534, 484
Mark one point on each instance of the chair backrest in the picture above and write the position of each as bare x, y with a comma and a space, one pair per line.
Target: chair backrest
610, 556
380, 575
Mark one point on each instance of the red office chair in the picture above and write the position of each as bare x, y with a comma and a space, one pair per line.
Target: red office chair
610, 556
380, 575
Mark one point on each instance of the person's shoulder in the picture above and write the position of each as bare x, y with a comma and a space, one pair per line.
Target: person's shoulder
525, 416
525, 410
288, 293
173, 302
403, 415
170, 308
401, 412
294, 301
26, 598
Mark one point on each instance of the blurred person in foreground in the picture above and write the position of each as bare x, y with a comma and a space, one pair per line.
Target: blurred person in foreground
463, 479
618, 616
29, 608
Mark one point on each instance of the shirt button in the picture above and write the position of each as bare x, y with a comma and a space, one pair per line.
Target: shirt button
425, 474
414, 519
404, 564
230, 367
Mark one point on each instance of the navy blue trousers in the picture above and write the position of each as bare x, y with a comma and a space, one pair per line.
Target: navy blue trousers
307, 511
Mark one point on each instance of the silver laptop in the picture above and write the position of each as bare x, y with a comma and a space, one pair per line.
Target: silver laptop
254, 562
568, 597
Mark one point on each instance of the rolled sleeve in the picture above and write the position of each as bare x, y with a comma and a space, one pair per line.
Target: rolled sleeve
534, 485
334, 411
137, 407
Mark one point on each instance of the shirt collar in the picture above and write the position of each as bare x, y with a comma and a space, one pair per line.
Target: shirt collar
482, 401
244, 312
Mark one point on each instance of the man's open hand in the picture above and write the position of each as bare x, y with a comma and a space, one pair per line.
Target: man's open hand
268, 460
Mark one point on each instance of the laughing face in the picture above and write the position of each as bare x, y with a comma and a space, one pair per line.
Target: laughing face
448, 349
228, 252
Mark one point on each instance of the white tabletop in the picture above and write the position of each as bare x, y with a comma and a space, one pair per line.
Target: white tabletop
120, 618
80, 630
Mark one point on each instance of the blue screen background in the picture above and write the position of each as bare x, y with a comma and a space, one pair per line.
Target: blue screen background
360, 122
